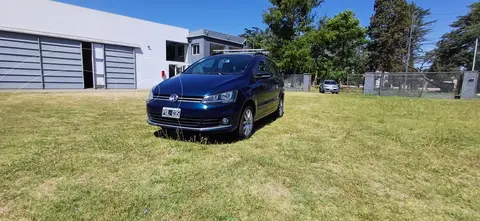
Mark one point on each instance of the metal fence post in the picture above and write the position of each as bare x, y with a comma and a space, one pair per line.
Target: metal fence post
307, 77
380, 88
369, 84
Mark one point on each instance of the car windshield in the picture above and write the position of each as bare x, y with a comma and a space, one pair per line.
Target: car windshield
329, 82
220, 65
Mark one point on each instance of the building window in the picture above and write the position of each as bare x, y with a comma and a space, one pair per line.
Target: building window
175, 51
214, 47
181, 52
195, 49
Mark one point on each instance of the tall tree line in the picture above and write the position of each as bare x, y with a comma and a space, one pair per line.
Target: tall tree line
455, 50
338, 46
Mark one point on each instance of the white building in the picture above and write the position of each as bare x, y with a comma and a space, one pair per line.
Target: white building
47, 44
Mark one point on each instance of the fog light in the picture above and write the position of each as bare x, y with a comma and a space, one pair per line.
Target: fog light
225, 121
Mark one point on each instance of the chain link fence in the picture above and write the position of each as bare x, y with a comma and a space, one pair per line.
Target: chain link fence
353, 83
293, 82
431, 84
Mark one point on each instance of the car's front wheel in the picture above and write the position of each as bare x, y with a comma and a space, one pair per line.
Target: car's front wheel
245, 127
279, 112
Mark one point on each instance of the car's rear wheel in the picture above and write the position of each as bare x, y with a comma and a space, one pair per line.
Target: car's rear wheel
245, 126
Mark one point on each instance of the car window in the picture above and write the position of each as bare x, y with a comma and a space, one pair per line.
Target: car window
266, 65
203, 67
274, 68
262, 66
329, 82
220, 64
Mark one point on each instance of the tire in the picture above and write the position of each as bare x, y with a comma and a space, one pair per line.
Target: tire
280, 108
245, 125
322, 91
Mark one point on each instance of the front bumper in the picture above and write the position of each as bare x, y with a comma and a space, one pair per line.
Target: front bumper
330, 89
194, 116
198, 129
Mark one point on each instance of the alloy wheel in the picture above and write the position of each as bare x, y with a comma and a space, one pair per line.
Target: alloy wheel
247, 122
280, 108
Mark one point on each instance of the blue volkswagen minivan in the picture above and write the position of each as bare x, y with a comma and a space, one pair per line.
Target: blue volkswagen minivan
219, 93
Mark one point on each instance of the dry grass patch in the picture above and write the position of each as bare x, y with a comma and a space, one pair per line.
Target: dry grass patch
91, 155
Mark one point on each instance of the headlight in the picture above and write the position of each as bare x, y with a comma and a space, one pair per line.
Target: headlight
150, 96
225, 97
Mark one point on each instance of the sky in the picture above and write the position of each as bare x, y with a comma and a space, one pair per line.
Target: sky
232, 16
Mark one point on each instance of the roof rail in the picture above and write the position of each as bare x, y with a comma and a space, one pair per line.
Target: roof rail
240, 51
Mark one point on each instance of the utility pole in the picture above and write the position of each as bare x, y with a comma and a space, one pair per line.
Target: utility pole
409, 45
410, 41
475, 55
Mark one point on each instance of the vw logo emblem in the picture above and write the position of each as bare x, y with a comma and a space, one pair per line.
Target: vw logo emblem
173, 98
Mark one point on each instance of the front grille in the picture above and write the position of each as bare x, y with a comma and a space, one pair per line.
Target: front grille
184, 121
183, 98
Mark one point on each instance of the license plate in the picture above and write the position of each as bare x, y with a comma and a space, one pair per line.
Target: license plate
171, 112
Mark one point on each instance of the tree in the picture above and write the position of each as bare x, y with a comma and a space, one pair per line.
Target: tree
388, 29
421, 27
257, 38
320, 51
295, 55
424, 60
346, 38
455, 49
337, 45
290, 18
290, 21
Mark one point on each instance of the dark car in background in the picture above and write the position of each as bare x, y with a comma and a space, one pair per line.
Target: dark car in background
329, 86
219, 93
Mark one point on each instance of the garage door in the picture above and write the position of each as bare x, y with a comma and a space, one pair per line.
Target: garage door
120, 67
29, 61
19, 61
61, 63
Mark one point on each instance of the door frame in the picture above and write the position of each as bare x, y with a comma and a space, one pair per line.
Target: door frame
94, 66
178, 65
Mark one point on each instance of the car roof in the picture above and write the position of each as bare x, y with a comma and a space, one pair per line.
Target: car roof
241, 54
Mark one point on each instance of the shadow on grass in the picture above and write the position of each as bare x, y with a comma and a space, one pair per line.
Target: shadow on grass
209, 138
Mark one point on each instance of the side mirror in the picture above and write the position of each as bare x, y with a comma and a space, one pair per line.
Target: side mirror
262, 75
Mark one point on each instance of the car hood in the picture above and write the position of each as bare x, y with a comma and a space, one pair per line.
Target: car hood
197, 84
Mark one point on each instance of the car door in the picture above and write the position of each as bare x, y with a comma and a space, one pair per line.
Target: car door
260, 88
276, 82
270, 86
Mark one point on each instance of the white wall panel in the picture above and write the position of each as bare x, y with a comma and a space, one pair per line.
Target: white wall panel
50, 17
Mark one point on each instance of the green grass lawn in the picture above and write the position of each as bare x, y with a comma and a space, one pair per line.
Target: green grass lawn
91, 156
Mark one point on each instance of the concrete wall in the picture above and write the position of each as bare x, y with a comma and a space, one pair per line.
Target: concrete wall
53, 18
369, 84
469, 85
203, 50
